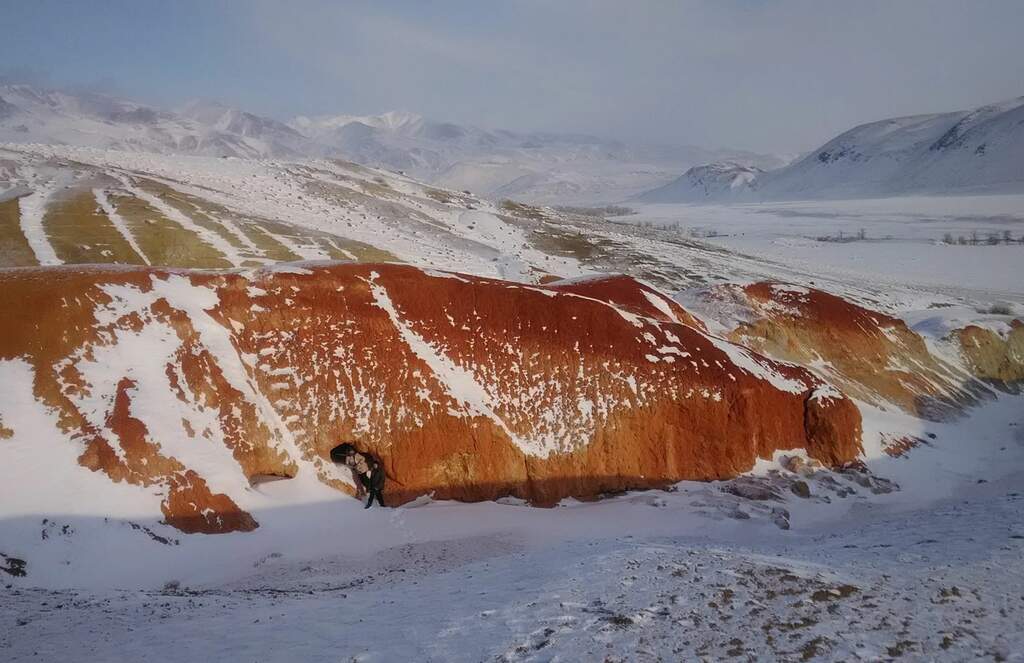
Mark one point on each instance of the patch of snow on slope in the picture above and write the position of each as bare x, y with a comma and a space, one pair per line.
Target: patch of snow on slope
196, 302
746, 361
143, 356
32, 208
660, 304
48, 478
457, 381
174, 214
119, 223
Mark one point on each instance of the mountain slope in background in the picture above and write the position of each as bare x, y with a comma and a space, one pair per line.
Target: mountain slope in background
967, 152
533, 167
278, 138
537, 167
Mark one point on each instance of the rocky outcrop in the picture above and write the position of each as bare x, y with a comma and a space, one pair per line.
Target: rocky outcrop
996, 359
868, 354
195, 384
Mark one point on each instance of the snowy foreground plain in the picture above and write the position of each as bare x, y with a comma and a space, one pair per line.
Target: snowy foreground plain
930, 571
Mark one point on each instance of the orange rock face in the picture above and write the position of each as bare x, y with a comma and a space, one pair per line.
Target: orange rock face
868, 354
196, 383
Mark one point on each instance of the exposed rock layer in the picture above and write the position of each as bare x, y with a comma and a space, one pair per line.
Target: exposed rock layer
197, 383
868, 354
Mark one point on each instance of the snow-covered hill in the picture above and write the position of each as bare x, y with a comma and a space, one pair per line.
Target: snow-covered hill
966, 152
704, 182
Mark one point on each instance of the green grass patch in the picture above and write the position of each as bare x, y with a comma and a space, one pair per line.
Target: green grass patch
348, 249
80, 232
197, 209
15, 251
165, 242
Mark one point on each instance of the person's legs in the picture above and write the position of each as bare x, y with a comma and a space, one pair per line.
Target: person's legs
377, 482
374, 493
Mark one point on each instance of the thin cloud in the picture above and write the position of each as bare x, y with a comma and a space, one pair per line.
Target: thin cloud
765, 75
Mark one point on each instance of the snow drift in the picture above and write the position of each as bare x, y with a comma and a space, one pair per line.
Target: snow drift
192, 385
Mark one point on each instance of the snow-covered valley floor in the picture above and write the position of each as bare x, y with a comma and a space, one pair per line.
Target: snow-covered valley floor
904, 238
930, 571
941, 584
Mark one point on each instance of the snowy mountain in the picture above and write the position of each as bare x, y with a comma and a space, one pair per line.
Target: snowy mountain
278, 137
35, 115
966, 152
533, 167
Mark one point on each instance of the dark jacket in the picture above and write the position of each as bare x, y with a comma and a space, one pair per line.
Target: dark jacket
376, 472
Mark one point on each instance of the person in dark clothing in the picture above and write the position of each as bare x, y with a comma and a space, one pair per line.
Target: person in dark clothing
375, 484
367, 468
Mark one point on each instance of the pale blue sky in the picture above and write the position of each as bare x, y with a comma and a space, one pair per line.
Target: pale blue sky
766, 75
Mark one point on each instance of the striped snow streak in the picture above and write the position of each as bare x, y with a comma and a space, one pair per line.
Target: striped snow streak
345, 252
181, 294
660, 304
32, 208
241, 236
118, 222
759, 367
304, 251
458, 382
196, 301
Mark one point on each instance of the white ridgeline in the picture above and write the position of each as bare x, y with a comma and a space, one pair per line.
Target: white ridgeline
534, 167
966, 152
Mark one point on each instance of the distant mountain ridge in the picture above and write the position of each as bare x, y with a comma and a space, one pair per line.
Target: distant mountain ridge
976, 151
537, 167
533, 167
30, 114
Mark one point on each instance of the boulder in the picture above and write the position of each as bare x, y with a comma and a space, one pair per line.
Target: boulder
800, 489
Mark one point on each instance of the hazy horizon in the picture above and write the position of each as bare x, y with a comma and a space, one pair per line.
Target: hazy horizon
777, 77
